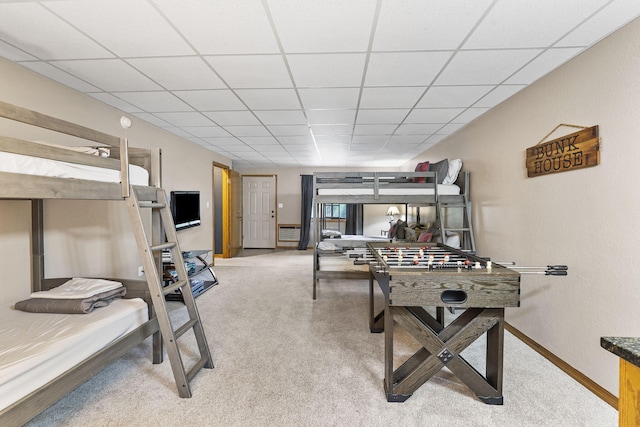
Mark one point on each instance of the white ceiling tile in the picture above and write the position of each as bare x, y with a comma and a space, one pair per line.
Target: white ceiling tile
179, 131
320, 117
333, 147
613, 16
14, 54
294, 130
329, 98
498, 95
324, 140
252, 71
259, 140
297, 143
399, 146
187, 118
140, 29
296, 140
241, 131
433, 115
291, 117
367, 147
470, 114
406, 139
370, 139
450, 128
426, 25
404, 68
154, 120
211, 100
452, 96
381, 116
418, 129
241, 149
269, 99
171, 73
484, 67
118, 103
323, 25
222, 27
224, 118
60, 76
34, 29
206, 131
374, 129
224, 141
516, 24
155, 102
337, 129
390, 97
542, 65
273, 150
432, 140
108, 74
327, 70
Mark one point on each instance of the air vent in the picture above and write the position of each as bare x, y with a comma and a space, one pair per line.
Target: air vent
289, 232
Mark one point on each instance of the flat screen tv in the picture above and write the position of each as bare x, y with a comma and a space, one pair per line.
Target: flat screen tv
185, 208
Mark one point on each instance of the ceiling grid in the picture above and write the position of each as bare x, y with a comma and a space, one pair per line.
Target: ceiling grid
305, 83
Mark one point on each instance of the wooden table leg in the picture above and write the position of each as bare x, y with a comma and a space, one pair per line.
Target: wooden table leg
375, 321
629, 400
442, 347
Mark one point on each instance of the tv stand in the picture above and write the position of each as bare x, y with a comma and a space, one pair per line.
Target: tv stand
199, 285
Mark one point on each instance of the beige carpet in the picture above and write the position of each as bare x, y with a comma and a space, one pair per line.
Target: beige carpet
283, 359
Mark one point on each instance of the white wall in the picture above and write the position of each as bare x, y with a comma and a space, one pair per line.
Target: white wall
584, 218
90, 238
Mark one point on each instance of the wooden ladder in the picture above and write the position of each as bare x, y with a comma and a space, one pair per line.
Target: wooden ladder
151, 255
467, 241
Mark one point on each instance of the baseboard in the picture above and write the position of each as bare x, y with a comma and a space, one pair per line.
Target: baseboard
596, 389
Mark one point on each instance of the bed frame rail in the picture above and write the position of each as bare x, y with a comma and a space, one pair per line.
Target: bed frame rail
17, 146
374, 181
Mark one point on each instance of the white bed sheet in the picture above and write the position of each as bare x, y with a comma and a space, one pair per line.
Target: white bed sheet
18, 163
37, 347
443, 189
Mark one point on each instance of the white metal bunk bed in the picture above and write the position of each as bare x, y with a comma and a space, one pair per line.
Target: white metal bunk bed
71, 177
416, 189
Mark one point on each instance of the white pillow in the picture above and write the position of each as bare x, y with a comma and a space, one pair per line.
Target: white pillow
454, 169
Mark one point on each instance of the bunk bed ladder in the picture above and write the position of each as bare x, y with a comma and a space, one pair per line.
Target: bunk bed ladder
151, 255
467, 241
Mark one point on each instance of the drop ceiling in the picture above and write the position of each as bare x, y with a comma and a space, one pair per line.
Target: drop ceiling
305, 83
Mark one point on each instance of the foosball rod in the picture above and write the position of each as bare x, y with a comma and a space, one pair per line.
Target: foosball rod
549, 270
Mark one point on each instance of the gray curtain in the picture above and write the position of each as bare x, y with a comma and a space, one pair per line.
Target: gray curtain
354, 221
305, 211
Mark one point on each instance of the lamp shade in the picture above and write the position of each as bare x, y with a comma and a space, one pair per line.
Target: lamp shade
393, 211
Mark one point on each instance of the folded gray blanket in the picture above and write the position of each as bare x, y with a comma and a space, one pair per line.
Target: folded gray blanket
70, 306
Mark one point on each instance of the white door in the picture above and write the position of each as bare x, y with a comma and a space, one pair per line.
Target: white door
259, 211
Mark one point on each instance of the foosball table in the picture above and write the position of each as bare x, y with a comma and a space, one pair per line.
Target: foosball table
415, 276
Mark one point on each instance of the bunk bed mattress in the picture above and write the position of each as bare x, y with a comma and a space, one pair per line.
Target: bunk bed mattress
443, 189
18, 163
38, 347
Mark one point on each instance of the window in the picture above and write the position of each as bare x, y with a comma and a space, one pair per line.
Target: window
335, 210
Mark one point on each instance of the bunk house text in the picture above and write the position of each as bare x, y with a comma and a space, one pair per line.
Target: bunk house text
575, 151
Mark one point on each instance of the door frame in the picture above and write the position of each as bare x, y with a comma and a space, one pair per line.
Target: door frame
224, 209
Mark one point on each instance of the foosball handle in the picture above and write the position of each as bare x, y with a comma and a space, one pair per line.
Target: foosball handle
557, 267
556, 272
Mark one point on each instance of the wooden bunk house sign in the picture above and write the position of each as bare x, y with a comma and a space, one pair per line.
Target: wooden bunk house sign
574, 151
